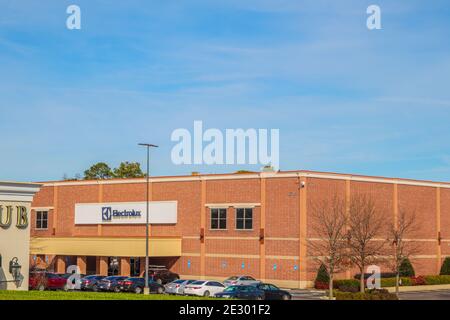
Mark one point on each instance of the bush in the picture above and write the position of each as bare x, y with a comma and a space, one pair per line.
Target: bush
322, 278
382, 275
406, 269
432, 280
445, 269
418, 281
390, 282
380, 294
347, 285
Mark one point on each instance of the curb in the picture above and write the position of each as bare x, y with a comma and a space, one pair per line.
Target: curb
420, 288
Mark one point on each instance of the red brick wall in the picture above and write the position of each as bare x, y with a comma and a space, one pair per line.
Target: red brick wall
282, 219
282, 208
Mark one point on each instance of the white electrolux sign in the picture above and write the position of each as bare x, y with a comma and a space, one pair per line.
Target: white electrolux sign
160, 212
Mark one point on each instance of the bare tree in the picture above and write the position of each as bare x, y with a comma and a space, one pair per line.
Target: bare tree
329, 223
365, 223
405, 225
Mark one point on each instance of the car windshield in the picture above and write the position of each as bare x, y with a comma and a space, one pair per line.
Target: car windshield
232, 278
179, 281
135, 279
90, 277
231, 289
198, 282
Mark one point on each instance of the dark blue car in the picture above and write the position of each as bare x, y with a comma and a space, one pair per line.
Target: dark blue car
241, 292
90, 283
110, 283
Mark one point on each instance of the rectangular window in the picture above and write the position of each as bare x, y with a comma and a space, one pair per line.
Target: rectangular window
41, 219
218, 219
244, 218
135, 266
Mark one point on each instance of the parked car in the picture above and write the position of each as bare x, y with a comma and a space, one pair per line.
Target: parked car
177, 286
204, 288
272, 292
47, 281
90, 283
241, 292
110, 283
162, 275
67, 276
241, 281
136, 285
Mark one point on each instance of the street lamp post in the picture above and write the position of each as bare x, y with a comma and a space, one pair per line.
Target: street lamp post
148, 146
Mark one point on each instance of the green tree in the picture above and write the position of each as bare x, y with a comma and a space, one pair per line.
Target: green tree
406, 269
445, 269
128, 170
322, 275
98, 171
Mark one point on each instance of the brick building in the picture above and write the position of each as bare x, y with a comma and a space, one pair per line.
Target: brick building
227, 224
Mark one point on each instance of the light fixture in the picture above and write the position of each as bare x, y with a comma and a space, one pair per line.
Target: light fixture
14, 268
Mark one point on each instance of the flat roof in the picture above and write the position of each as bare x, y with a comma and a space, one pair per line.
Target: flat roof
255, 175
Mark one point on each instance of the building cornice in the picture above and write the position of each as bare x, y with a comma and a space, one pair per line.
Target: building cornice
257, 175
18, 191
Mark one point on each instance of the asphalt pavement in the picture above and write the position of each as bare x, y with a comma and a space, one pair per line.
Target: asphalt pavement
414, 295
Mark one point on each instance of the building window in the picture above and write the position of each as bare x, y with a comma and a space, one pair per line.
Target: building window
244, 218
135, 266
218, 219
42, 220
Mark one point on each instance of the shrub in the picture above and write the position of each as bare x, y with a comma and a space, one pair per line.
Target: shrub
406, 269
418, 281
321, 285
382, 275
445, 269
322, 278
368, 295
390, 282
431, 280
347, 285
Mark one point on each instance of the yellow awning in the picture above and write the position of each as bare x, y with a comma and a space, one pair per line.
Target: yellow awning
104, 246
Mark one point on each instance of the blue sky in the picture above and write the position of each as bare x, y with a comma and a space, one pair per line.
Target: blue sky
345, 99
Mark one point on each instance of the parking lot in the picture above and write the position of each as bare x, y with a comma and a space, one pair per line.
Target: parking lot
426, 295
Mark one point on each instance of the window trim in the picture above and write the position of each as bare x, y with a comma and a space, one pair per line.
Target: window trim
41, 220
218, 219
236, 219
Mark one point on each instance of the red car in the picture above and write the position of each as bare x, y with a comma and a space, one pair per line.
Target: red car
47, 281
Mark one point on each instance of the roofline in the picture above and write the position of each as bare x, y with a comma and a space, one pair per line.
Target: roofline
18, 191
255, 175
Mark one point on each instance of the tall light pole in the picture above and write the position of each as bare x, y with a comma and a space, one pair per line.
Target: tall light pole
148, 146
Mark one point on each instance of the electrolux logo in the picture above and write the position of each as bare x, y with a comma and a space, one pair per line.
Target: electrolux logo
108, 214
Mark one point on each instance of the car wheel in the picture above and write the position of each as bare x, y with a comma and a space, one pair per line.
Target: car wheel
260, 298
206, 293
95, 288
66, 287
286, 297
159, 281
41, 287
116, 289
160, 290
138, 290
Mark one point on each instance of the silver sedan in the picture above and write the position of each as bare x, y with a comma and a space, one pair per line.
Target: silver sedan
241, 281
177, 286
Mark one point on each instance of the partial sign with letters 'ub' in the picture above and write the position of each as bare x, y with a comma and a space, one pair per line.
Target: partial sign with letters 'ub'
160, 212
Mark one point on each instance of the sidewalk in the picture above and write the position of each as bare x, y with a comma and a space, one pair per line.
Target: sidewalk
421, 288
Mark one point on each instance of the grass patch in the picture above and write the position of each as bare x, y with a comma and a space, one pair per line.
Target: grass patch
77, 295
